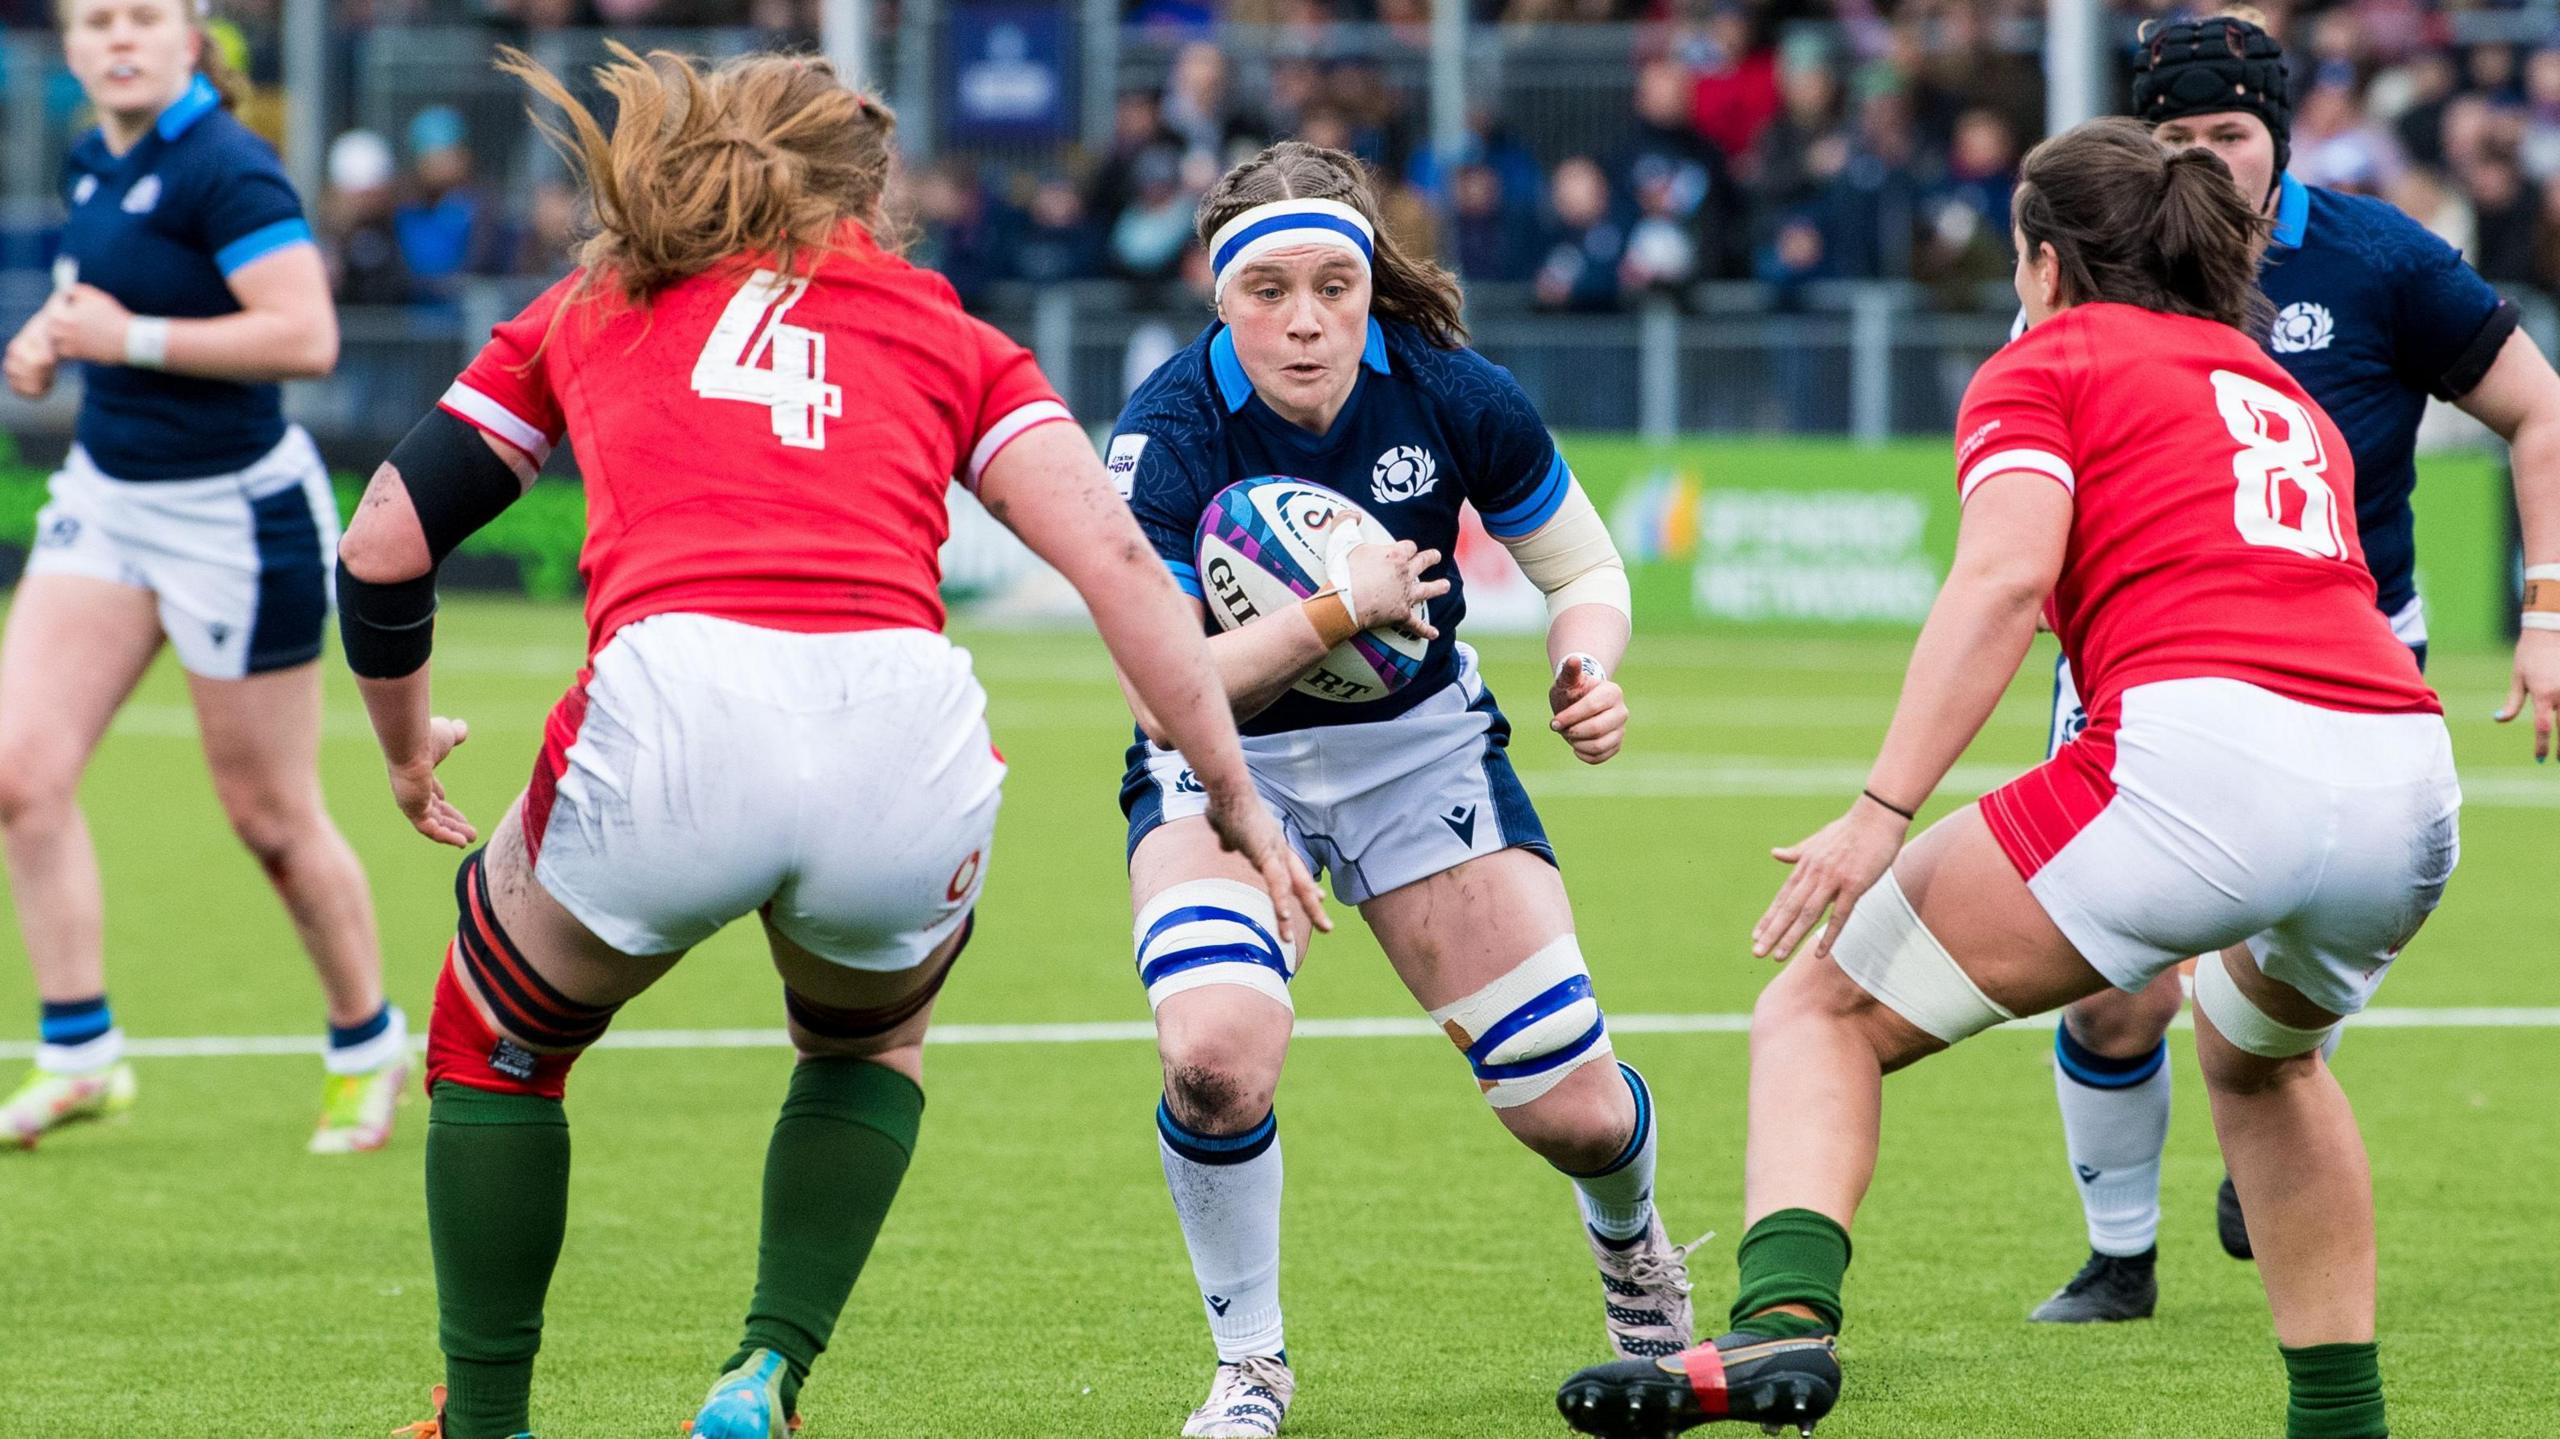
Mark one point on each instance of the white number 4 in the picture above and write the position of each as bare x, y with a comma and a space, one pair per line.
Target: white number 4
753, 356
2280, 458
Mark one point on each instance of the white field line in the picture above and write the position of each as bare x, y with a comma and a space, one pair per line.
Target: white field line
232, 1046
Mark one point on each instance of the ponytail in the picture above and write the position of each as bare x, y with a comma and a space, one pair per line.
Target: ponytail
764, 155
2208, 239
2132, 224
213, 60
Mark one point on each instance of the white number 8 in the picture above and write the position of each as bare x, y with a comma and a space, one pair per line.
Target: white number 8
755, 357
2280, 456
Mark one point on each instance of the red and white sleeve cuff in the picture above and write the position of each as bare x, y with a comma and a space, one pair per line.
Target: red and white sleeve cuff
2042, 462
1005, 431
487, 415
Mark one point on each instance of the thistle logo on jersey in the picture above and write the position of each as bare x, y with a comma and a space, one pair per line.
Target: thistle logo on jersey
1265, 544
1403, 473
144, 194
2302, 326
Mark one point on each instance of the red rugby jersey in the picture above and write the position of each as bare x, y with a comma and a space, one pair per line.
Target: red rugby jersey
769, 451
2213, 525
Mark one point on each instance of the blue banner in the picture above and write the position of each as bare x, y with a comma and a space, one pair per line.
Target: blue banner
1007, 71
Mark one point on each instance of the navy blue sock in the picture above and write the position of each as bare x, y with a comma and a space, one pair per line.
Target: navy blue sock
75, 1021
348, 1036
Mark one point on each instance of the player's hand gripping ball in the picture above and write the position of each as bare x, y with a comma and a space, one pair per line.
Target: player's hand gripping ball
1266, 544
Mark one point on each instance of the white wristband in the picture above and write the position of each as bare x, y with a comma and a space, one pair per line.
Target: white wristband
2542, 572
146, 342
2538, 620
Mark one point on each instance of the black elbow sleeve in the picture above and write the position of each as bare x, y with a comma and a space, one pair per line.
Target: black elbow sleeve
456, 483
387, 630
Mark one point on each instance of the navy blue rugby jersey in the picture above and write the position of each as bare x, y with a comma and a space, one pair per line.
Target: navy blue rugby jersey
1424, 431
162, 227
2374, 314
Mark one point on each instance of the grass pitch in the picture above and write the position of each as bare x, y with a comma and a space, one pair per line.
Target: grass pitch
191, 1272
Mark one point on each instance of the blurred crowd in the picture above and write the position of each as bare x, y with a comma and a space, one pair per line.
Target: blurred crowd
1745, 156
1788, 143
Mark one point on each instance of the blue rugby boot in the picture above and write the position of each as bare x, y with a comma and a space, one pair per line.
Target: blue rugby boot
746, 1403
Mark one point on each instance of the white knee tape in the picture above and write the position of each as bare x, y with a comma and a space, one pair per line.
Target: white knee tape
1211, 931
1893, 956
1526, 1031
2242, 1022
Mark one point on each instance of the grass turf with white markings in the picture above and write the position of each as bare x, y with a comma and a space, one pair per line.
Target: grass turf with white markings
192, 1272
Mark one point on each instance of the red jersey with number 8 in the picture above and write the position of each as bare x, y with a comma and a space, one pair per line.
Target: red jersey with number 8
766, 450
2213, 525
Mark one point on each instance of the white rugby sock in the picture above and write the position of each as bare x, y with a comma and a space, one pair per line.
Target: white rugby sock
2115, 1123
90, 1056
1226, 1192
1617, 1202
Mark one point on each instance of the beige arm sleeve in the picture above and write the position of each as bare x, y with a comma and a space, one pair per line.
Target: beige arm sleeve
1572, 560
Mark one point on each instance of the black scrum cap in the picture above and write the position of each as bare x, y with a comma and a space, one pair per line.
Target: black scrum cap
2203, 67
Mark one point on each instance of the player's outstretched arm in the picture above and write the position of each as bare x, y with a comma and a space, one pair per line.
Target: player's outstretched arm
2520, 399
2009, 551
1049, 488
442, 483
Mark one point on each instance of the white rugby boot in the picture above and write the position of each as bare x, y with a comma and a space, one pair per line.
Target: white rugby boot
1247, 1400
47, 1101
1648, 1292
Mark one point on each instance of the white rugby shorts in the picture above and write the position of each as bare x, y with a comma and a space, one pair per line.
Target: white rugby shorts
2209, 812
701, 769
240, 564
1377, 805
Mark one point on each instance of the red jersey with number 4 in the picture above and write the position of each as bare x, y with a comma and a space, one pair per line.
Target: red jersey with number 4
2213, 523
775, 452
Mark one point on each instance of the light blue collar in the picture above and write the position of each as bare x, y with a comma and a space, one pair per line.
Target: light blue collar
200, 100
2293, 211
1235, 389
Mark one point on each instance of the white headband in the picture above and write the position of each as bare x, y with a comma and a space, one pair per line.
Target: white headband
1283, 224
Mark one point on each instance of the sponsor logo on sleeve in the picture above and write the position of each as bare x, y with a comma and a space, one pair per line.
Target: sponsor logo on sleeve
1122, 462
1973, 442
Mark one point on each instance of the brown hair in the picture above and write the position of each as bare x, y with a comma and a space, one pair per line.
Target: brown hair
2131, 223
764, 154
1402, 286
211, 61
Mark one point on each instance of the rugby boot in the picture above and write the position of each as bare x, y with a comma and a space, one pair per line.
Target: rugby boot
2107, 1289
1247, 1400
356, 1110
1778, 1384
45, 1102
1647, 1285
746, 1402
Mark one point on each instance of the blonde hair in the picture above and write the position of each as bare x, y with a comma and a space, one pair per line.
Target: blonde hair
764, 154
212, 61
1402, 286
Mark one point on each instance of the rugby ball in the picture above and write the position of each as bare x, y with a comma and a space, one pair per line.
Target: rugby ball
1265, 544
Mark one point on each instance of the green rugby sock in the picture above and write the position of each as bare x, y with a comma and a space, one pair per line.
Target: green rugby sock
2335, 1392
830, 1174
1793, 1256
497, 1202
